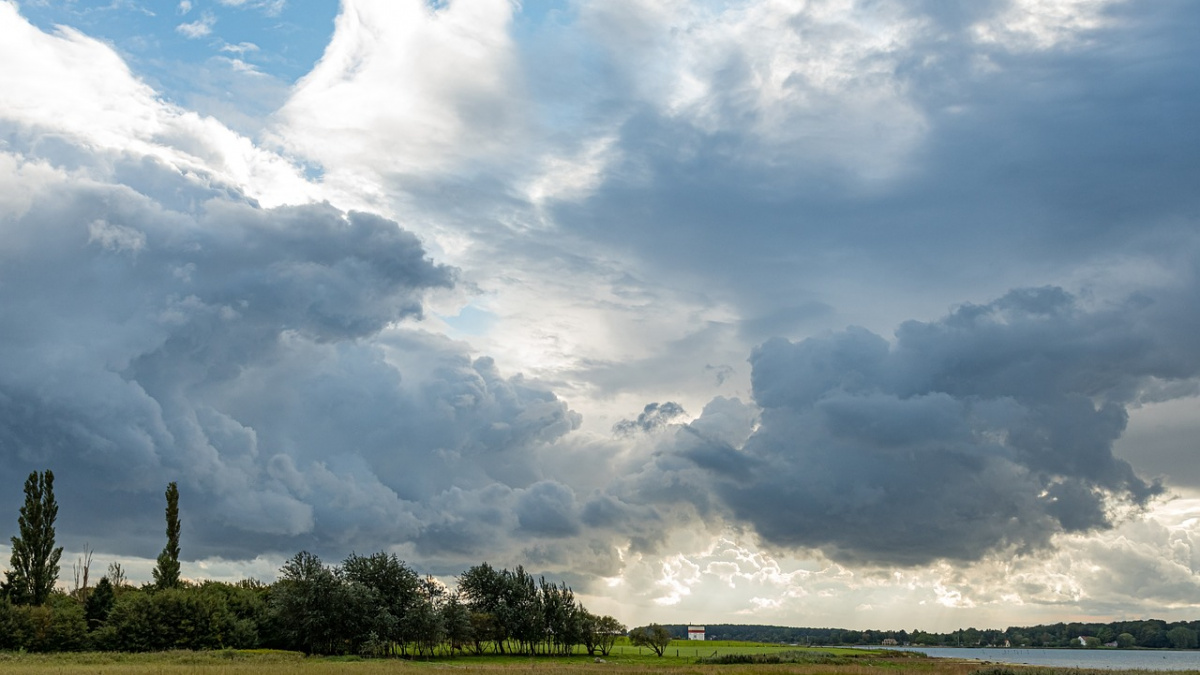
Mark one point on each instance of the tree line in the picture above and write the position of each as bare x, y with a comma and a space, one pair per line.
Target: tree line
373, 605
376, 605
1146, 634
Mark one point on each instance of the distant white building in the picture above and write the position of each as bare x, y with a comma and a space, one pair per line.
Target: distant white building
695, 632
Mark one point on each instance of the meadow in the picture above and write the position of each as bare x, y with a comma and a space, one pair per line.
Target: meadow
681, 658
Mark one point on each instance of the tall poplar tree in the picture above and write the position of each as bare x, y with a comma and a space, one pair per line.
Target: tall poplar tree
34, 558
166, 572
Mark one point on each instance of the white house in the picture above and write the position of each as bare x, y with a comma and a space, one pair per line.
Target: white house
695, 632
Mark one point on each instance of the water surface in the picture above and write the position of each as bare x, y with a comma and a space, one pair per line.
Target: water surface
1143, 659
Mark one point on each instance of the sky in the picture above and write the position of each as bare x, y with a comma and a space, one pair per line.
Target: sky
854, 313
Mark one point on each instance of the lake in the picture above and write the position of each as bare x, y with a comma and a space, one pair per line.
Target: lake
1146, 659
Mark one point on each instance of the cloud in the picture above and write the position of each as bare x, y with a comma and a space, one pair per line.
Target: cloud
264, 358
71, 87
268, 7
1161, 438
1099, 574
762, 214
636, 196
199, 28
240, 48
430, 90
652, 417
1028, 24
989, 430
548, 508
179, 323
699, 66
729, 174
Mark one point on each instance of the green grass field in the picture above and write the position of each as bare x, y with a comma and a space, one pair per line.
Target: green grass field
681, 658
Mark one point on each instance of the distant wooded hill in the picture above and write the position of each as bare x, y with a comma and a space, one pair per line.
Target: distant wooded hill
1146, 633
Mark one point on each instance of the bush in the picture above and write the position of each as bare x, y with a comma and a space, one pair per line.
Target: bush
57, 626
14, 625
183, 618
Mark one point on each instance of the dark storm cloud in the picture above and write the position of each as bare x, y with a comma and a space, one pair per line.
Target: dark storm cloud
989, 429
252, 355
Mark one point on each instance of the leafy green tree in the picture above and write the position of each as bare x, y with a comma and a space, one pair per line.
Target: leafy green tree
99, 604
600, 633
484, 629
245, 603
1126, 640
524, 615
34, 558
563, 618
591, 636
608, 629
653, 636
425, 621
313, 607
357, 619
456, 619
1182, 637
166, 571
394, 597
1153, 635
483, 588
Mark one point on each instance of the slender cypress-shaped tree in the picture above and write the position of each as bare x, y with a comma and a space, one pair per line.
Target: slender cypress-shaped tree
166, 572
34, 558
